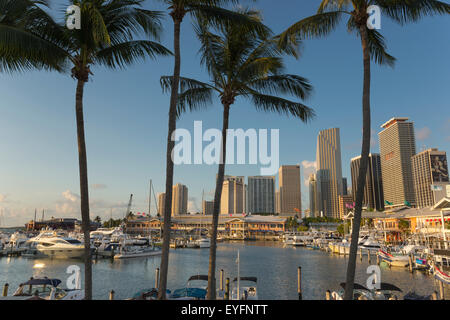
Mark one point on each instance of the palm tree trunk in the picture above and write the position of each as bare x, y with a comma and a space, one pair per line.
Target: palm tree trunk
217, 196
169, 161
84, 192
363, 166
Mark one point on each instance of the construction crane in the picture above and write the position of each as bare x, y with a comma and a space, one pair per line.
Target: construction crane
129, 206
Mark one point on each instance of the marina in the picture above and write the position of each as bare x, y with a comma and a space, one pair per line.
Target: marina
274, 264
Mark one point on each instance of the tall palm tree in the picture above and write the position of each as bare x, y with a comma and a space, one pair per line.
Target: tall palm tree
373, 47
241, 64
216, 15
106, 38
20, 20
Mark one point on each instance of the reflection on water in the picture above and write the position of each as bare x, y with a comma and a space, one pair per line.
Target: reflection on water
273, 265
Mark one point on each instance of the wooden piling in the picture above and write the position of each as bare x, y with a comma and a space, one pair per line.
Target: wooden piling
368, 255
157, 278
360, 254
299, 283
5, 290
441, 290
410, 264
434, 296
111, 295
221, 279
227, 289
328, 295
378, 259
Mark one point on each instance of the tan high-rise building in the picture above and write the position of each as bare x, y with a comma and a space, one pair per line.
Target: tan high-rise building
290, 192
329, 172
232, 199
397, 146
277, 202
161, 203
179, 199
208, 207
430, 174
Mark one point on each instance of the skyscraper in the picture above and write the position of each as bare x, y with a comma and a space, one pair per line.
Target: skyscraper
343, 208
277, 202
329, 172
290, 192
161, 203
232, 199
430, 174
313, 196
261, 194
397, 146
344, 186
179, 199
373, 191
208, 207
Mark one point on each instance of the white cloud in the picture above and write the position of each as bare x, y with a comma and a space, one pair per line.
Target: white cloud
192, 205
423, 134
309, 167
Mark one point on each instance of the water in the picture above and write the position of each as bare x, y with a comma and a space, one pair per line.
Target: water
273, 265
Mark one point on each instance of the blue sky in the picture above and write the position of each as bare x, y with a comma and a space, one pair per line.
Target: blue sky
126, 116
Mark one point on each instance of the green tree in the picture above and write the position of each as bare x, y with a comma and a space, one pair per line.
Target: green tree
22, 46
212, 11
107, 38
98, 219
242, 63
373, 47
404, 226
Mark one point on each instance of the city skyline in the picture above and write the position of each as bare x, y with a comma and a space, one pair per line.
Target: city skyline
39, 166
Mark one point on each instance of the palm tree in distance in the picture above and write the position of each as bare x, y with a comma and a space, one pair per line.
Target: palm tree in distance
212, 11
327, 18
244, 64
106, 38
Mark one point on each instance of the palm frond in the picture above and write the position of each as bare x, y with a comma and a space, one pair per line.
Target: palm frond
403, 11
285, 83
377, 48
127, 53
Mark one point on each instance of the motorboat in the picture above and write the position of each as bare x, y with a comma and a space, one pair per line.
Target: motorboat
127, 251
203, 242
247, 291
54, 245
108, 249
394, 260
386, 291
47, 289
195, 289
368, 245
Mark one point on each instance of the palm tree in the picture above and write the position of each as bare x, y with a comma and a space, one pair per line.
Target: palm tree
106, 38
373, 46
210, 10
20, 20
241, 64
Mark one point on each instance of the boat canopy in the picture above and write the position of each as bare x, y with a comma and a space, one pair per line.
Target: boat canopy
199, 277
189, 292
389, 287
42, 281
253, 279
355, 286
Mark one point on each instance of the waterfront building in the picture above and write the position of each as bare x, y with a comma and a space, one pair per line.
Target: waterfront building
313, 196
430, 174
290, 190
208, 207
261, 194
373, 190
179, 199
329, 172
397, 146
344, 203
232, 199
161, 203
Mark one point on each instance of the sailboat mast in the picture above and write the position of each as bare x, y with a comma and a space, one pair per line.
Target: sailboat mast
238, 277
150, 198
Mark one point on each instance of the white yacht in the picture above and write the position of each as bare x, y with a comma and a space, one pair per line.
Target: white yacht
54, 245
203, 242
247, 291
129, 251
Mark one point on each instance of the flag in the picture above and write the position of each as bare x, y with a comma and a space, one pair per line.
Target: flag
388, 203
